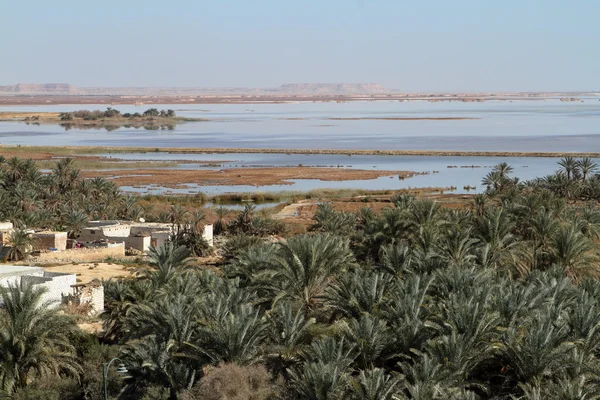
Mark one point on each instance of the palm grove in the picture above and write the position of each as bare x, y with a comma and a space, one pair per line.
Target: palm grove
497, 300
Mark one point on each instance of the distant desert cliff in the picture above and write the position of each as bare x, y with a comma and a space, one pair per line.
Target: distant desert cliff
287, 89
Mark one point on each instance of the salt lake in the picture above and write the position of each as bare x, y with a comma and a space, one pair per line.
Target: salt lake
511, 126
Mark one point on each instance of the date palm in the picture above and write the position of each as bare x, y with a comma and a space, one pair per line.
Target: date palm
494, 230
411, 321
319, 381
457, 248
569, 166
370, 336
165, 263
425, 379
541, 353
304, 266
289, 334
236, 337
358, 292
74, 221
587, 166
34, 339
20, 244
573, 251
221, 223
161, 331
373, 384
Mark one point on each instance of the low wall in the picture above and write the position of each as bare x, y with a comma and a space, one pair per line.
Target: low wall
91, 294
81, 255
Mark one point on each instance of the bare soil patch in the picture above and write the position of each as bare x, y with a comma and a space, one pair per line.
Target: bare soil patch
237, 176
87, 272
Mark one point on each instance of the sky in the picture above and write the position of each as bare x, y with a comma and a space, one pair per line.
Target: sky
412, 46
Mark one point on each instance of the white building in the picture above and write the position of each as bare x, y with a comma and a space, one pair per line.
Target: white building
137, 235
58, 284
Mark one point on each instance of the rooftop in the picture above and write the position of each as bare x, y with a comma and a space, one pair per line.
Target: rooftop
12, 270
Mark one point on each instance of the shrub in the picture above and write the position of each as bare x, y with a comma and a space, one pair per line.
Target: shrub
232, 382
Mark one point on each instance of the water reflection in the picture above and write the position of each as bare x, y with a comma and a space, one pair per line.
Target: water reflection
113, 127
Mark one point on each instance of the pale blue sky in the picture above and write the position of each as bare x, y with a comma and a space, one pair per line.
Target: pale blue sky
418, 45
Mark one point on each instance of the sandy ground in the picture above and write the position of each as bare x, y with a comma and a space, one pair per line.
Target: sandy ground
237, 176
87, 272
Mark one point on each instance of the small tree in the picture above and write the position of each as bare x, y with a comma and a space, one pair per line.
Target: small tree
151, 112
20, 245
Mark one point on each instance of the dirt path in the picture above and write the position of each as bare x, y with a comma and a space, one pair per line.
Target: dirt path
291, 211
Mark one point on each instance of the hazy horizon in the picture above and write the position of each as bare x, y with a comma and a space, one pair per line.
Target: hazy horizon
428, 46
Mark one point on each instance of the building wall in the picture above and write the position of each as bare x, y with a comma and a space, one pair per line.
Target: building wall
91, 234
82, 255
91, 294
159, 238
6, 225
16, 278
207, 234
103, 223
58, 286
141, 243
47, 240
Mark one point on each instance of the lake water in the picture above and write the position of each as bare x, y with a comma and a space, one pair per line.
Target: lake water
522, 126
536, 125
440, 172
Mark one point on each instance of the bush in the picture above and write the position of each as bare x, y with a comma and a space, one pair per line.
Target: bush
232, 382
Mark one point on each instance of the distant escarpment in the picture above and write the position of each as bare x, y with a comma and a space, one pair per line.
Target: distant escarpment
40, 88
332, 88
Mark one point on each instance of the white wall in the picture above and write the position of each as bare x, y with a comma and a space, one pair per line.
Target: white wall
6, 225
208, 234
57, 284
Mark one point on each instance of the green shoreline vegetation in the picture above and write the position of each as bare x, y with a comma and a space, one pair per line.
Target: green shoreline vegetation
110, 119
112, 113
497, 299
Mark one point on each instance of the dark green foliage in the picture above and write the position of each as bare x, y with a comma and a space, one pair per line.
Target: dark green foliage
60, 200
496, 302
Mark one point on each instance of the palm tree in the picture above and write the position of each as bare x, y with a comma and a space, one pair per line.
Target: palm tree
370, 336
289, 333
541, 353
573, 251
457, 248
220, 225
569, 165
374, 384
20, 245
34, 339
162, 331
425, 379
75, 221
234, 337
494, 230
479, 202
319, 381
587, 166
358, 292
165, 262
303, 267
